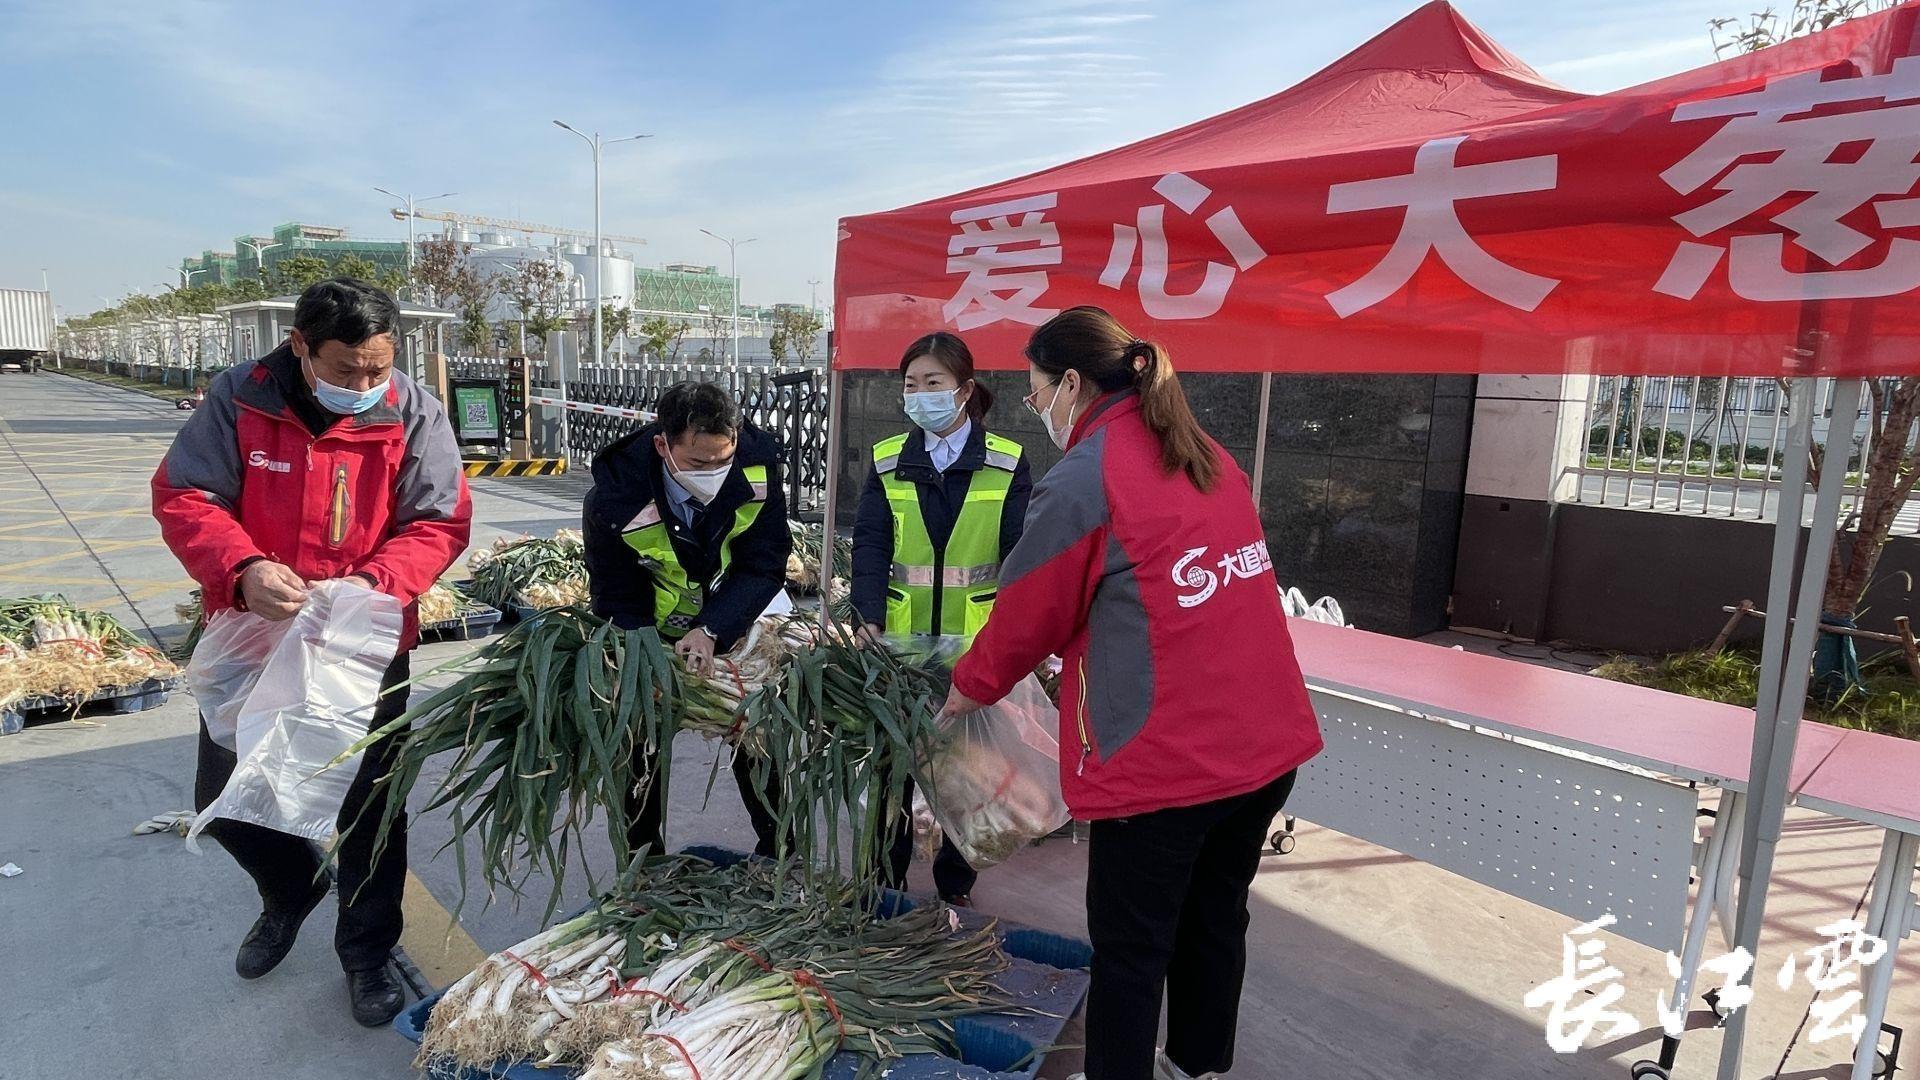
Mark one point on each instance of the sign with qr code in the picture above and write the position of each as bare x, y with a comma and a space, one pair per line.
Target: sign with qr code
476, 411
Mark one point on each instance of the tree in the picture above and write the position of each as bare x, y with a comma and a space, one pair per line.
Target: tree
777, 342
538, 288
295, 273
714, 324
357, 266
446, 270
802, 327
474, 332
1891, 465
662, 336
614, 321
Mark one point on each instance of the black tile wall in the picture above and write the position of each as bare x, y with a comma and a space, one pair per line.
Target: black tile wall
1363, 485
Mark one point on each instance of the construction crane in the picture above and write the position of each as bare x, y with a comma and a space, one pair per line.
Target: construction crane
511, 225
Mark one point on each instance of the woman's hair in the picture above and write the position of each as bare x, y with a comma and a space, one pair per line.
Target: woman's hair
951, 353
1106, 354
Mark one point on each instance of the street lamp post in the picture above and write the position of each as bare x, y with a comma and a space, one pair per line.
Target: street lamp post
411, 203
596, 143
733, 271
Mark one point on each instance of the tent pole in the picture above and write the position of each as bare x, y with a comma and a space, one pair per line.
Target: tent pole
832, 496
1260, 439
1785, 665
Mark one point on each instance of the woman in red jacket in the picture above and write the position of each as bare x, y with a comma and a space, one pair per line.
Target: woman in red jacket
1183, 714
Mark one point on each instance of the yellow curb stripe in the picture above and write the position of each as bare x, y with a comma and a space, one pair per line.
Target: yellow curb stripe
438, 945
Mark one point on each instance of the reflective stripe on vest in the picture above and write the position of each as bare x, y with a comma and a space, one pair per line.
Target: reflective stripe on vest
676, 597
967, 570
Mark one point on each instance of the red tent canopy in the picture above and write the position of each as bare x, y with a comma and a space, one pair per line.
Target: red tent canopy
1430, 203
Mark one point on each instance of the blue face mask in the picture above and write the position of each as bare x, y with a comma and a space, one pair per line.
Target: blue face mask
339, 399
934, 410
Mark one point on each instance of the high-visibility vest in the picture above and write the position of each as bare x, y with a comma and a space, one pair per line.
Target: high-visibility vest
945, 590
676, 597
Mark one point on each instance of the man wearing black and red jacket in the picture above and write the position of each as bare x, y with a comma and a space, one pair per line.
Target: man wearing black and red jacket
318, 461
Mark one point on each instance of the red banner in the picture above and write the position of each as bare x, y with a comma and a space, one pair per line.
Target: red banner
1430, 204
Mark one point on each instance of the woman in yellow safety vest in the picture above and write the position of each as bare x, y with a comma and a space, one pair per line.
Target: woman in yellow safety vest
943, 505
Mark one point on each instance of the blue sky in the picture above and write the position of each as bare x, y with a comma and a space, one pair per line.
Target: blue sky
137, 133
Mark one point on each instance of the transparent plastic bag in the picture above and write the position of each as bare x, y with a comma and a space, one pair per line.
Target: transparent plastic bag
226, 663
994, 780
311, 700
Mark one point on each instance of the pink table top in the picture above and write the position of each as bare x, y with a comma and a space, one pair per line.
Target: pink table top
1666, 733
1870, 778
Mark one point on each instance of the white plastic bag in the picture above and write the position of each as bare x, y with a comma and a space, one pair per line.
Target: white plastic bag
1324, 610
995, 780
226, 663
311, 700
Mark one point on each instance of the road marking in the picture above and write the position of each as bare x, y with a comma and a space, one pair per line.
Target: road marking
81, 516
99, 547
435, 942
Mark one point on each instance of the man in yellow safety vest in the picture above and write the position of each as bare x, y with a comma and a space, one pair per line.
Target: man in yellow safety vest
686, 531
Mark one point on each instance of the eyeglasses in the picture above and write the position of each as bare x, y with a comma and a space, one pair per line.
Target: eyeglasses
1028, 400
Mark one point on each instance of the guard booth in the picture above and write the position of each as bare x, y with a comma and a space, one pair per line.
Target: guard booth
257, 327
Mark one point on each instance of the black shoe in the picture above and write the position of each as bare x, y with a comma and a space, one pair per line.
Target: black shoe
272, 938
957, 900
376, 999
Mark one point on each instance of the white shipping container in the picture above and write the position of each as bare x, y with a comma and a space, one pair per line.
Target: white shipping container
26, 317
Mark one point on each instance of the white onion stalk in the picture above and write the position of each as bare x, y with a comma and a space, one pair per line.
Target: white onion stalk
508, 1005
761, 1031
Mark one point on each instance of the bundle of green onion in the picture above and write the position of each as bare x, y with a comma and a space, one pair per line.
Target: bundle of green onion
839, 730
550, 725
50, 648
533, 570
732, 973
809, 546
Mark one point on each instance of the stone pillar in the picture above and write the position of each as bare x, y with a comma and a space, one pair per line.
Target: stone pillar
1528, 438
436, 376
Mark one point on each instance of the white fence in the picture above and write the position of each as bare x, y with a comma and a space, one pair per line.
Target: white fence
1709, 446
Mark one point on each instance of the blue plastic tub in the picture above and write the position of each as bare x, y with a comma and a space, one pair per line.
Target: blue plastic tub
1047, 977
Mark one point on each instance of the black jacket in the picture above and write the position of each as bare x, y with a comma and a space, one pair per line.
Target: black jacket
941, 496
626, 477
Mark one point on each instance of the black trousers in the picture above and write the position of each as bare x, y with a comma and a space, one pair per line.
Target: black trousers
286, 868
1167, 912
647, 811
952, 874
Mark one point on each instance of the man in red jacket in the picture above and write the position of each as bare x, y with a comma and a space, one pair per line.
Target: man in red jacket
318, 461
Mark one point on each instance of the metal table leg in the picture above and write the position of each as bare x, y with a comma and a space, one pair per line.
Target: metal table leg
1891, 918
1713, 869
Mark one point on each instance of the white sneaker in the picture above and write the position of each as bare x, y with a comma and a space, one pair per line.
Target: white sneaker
1165, 1069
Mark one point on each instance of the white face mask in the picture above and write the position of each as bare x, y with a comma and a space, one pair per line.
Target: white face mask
702, 484
1064, 432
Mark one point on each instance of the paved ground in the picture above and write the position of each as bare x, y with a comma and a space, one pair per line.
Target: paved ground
117, 949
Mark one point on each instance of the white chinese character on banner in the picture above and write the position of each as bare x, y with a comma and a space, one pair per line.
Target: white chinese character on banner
1582, 997
1249, 561
1831, 967
1433, 225
1803, 149
1001, 248
1149, 235
1735, 993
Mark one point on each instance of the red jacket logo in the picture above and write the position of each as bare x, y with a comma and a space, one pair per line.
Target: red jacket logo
1246, 562
258, 459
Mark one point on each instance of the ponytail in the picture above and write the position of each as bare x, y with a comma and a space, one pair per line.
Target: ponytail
1184, 444
1092, 342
